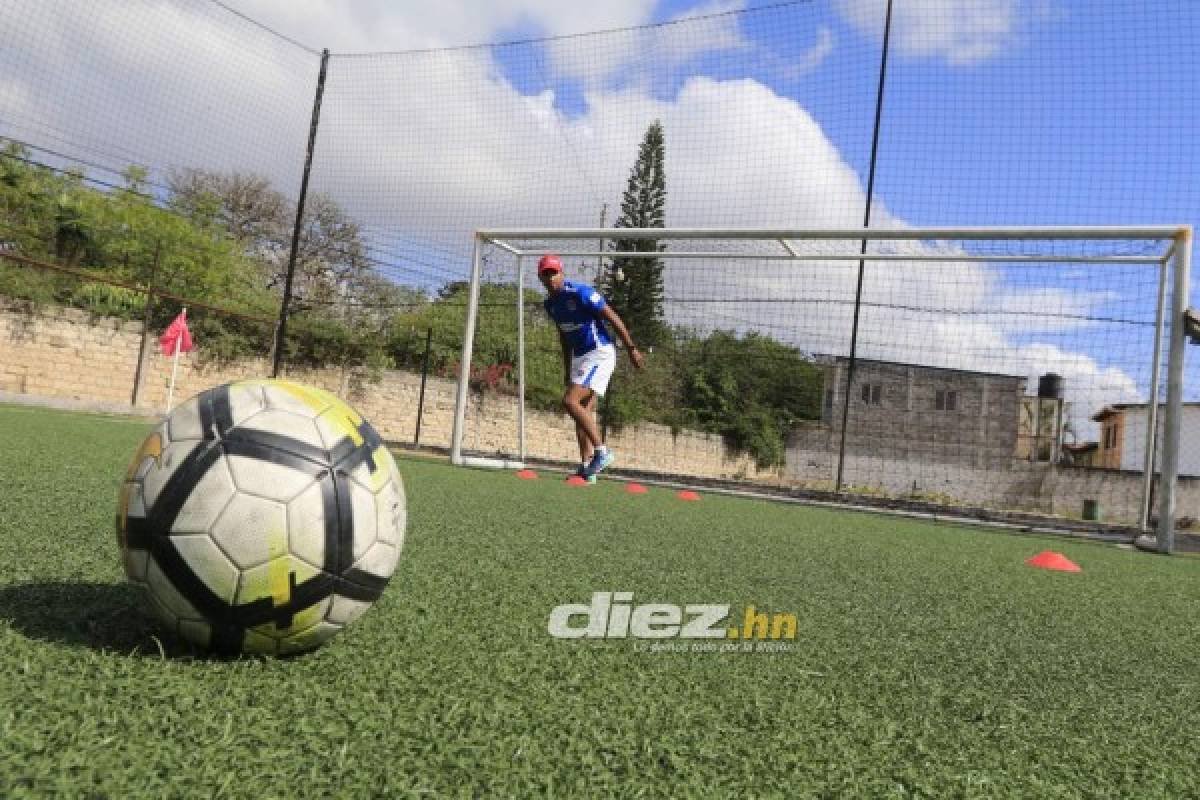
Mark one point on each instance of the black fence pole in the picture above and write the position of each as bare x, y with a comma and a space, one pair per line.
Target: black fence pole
281, 331
138, 376
424, 377
887, 32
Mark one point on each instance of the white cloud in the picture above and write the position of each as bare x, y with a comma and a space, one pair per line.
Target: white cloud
790, 70
195, 92
1053, 309
643, 55
14, 98
815, 56
960, 32
712, 27
372, 26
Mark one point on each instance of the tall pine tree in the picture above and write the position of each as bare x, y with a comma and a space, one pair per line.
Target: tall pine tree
634, 286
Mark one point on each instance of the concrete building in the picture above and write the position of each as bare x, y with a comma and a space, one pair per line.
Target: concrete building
914, 415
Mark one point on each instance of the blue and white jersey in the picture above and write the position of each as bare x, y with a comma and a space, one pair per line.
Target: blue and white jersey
576, 311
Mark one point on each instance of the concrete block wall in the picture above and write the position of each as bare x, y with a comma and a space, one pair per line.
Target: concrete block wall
61, 352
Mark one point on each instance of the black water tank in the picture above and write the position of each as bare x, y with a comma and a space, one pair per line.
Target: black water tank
1050, 385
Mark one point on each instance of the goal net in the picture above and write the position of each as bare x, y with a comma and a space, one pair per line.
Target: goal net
1026, 374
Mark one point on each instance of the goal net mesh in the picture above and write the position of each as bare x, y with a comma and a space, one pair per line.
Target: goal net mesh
1007, 374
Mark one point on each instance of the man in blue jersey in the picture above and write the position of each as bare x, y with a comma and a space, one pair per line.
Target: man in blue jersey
589, 357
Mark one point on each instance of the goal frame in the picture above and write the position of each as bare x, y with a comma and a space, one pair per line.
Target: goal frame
1176, 259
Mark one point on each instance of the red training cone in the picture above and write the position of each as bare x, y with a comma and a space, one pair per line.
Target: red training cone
688, 494
1048, 559
576, 480
527, 475
635, 488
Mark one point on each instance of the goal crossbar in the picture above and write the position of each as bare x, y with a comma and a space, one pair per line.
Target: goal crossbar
1092, 232
666, 254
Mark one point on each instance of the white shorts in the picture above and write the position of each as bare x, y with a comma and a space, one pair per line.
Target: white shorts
594, 369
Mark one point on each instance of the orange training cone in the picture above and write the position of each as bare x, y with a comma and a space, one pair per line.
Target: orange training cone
576, 480
688, 494
527, 475
635, 488
1048, 559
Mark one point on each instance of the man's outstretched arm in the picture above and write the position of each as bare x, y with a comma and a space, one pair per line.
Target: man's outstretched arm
612, 318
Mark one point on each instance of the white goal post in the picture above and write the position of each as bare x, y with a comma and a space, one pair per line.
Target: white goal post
1166, 247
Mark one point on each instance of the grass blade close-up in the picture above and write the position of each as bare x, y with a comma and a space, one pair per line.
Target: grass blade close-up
928, 660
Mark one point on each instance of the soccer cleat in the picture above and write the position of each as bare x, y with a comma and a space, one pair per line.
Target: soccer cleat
582, 474
599, 462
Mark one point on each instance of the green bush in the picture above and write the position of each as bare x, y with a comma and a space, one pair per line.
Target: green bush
108, 300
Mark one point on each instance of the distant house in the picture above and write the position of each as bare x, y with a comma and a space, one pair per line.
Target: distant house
1112, 437
1123, 437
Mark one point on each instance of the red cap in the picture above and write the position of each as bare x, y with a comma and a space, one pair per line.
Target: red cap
549, 263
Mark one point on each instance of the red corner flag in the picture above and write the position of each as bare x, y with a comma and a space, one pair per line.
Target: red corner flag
177, 331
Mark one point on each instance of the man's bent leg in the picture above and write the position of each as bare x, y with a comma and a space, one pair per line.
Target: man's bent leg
586, 451
575, 402
585, 444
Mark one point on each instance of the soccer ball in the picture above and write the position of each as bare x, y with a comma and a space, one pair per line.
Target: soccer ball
261, 516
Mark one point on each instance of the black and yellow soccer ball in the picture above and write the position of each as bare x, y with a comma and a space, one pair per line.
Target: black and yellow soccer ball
261, 516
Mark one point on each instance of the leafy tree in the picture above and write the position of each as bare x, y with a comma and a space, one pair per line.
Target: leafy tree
253, 213
123, 235
332, 266
28, 214
634, 286
340, 307
751, 389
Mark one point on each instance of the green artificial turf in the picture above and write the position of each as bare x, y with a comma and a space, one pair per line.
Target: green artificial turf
929, 660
